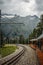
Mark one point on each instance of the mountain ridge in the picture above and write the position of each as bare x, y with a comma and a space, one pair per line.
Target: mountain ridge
19, 29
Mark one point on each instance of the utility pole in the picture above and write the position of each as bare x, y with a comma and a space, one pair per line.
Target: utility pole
1, 31
0, 28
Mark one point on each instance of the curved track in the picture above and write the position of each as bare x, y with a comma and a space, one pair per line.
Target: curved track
26, 57
15, 58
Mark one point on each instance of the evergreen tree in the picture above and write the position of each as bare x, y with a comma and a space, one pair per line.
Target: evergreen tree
21, 39
38, 30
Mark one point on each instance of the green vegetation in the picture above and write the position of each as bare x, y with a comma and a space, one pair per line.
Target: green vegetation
38, 30
21, 39
6, 50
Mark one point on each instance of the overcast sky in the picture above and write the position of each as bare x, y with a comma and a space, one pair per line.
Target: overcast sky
22, 7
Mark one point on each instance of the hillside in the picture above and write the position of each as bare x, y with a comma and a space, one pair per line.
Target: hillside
27, 26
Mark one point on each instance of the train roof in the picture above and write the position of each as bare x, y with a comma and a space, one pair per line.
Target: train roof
40, 37
33, 40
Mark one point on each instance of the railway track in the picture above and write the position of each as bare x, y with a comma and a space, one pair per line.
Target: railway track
14, 59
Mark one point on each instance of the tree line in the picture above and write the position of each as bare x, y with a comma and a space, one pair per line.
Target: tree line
38, 30
22, 40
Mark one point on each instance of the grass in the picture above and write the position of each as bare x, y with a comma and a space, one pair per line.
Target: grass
6, 50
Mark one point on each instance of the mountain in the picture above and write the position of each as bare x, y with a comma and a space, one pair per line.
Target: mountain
6, 14
18, 25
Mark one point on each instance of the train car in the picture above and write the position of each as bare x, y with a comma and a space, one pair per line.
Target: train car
34, 42
40, 42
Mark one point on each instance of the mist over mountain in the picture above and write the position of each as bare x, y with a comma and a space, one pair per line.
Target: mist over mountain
18, 25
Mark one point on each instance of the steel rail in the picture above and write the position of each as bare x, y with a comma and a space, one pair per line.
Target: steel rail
14, 59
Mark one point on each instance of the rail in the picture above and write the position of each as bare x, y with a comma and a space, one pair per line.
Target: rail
13, 59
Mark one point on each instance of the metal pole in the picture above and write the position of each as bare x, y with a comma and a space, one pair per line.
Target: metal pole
0, 28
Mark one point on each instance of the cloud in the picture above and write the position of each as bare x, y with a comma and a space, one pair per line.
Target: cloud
26, 1
39, 4
1, 2
22, 7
